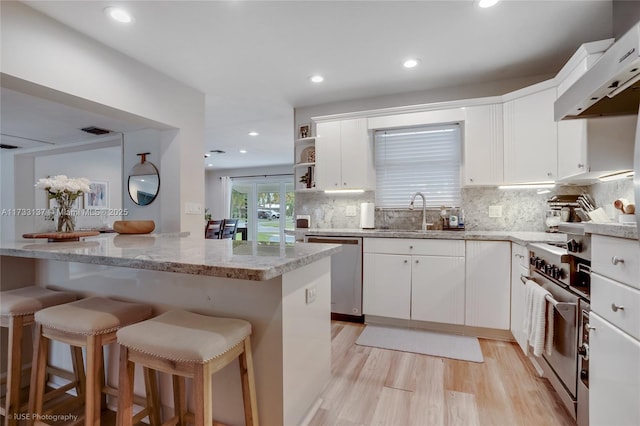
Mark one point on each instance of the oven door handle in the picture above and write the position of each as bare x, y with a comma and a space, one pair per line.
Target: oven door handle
565, 309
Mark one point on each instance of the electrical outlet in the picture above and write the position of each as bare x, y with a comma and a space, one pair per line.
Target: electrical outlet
495, 211
351, 211
193, 208
310, 294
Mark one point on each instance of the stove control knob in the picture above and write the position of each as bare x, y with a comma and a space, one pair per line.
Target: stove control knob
583, 351
584, 374
574, 246
540, 264
548, 269
533, 260
556, 273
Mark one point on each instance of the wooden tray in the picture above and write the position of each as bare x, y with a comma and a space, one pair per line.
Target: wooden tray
54, 237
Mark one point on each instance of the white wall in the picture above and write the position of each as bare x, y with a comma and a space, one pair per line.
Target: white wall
103, 164
213, 186
48, 59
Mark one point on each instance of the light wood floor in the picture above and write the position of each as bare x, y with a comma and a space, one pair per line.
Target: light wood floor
371, 386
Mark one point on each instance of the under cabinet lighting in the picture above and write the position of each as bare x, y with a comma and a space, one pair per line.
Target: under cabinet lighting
243, 151
616, 176
253, 133
343, 191
541, 185
316, 78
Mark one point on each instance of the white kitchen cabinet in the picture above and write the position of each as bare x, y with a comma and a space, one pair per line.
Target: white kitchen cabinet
386, 287
530, 138
344, 155
437, 289
488, 284
483, 146
614, 375
590, 148
414, 279
519, 267
614, 344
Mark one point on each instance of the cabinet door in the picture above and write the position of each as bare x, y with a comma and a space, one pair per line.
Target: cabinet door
386, 290
483, 146
530, 138
358, 170
488, 283
328, 156
614, 375
518, 258
572, 148
437, 289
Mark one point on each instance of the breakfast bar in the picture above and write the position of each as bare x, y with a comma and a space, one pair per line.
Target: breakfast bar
283, 290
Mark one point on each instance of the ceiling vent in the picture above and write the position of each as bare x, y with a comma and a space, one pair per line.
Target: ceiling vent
96, 130
5, 146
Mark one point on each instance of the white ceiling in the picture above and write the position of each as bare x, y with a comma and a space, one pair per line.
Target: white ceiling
252, 59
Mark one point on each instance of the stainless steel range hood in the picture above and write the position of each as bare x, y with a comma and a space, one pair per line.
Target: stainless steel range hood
610, 87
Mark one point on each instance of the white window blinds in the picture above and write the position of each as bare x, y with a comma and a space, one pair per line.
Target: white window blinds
418, 159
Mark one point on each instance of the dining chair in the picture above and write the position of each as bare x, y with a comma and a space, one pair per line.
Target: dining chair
229, 229
212, 229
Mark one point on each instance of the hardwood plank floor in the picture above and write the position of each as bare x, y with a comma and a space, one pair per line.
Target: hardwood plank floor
371, 386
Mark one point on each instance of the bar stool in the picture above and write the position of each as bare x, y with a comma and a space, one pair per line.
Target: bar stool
185, 344
90, 323
16, 312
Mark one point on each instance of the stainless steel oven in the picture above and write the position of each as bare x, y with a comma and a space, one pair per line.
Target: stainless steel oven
583, 364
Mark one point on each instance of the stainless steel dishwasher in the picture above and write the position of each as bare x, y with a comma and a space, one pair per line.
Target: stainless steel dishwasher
346, 277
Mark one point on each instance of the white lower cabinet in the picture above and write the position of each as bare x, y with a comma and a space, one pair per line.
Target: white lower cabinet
519, 267
386, 285
614, 375
437, 289
414, 279
488, 284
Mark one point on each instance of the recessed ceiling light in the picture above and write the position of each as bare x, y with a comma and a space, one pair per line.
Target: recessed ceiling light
118, 14
253, 133
487, 3
210, 165
207, 155
243, 151
316, 78
411, 63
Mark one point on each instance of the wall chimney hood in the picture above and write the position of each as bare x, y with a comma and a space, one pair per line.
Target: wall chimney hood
610, 87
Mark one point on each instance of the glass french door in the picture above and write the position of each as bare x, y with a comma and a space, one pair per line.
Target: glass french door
265, 205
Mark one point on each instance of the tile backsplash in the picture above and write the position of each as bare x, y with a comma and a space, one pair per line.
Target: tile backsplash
522, 210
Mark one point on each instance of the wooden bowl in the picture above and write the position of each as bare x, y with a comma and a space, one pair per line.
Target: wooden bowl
134, 226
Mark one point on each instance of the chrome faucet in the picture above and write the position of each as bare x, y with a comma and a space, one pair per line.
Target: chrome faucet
424, 208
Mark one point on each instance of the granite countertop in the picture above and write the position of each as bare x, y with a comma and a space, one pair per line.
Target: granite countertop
612, 229
519, 237
179, 253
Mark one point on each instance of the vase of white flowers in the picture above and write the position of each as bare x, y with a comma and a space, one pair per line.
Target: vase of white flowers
65, 191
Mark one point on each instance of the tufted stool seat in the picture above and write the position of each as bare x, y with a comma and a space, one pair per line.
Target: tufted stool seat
90, 323
185, 344
17, 308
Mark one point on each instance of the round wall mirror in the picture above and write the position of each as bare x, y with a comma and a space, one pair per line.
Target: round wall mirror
144, 181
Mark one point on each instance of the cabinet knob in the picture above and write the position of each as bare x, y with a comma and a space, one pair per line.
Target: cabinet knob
417, 261
470, 179
549, 174
406, 261
615, 307
580, 166
344, 183
615, 260
410, 247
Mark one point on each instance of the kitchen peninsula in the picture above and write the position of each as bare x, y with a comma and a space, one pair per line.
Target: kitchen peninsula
283, 290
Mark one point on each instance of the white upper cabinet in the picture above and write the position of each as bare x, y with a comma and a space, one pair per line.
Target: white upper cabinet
590, 148
530, 138
483, 146
344, 155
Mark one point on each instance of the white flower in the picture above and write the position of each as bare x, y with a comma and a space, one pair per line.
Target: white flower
60, 184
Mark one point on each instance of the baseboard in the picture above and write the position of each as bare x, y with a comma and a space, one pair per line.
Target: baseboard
462, 330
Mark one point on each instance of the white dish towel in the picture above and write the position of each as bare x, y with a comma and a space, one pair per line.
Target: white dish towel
538, 319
